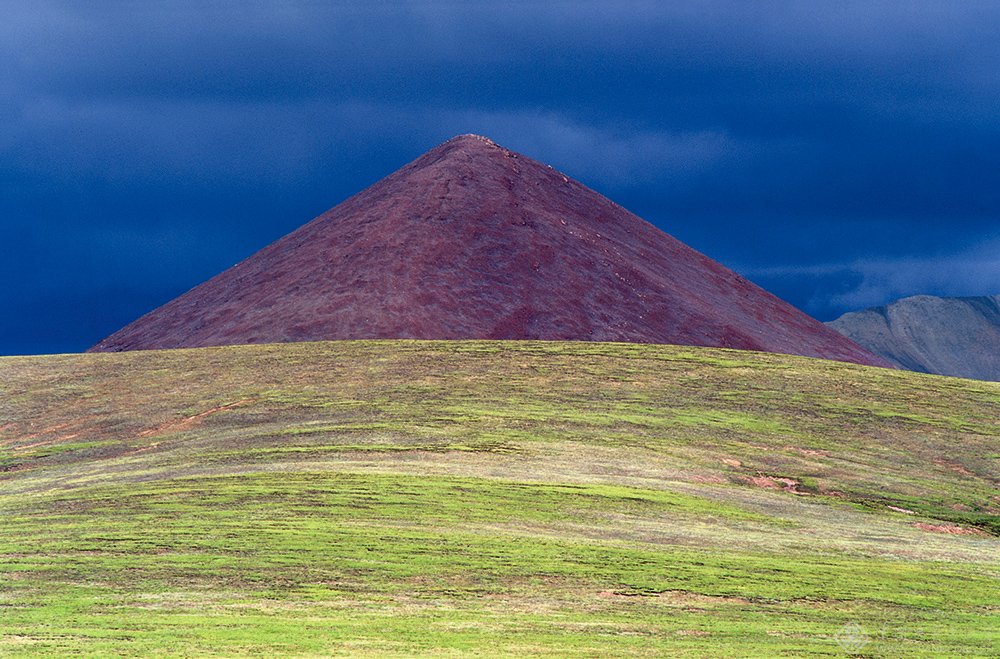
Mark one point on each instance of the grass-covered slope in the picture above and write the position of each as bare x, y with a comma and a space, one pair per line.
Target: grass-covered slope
508, 498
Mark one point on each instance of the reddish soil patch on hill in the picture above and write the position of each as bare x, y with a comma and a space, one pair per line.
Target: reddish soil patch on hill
190, 421
776, 483
473, 241
950, 529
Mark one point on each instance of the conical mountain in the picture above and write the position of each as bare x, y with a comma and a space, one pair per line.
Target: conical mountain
472, 240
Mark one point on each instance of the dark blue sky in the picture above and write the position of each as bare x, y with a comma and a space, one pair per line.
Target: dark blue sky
840, 154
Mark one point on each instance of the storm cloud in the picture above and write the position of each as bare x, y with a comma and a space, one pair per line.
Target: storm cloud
839, 154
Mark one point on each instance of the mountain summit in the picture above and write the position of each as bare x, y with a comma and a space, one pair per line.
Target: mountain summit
473, 241
957, 336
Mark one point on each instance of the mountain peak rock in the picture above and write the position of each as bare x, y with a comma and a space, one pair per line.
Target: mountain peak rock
958, 336
474, 241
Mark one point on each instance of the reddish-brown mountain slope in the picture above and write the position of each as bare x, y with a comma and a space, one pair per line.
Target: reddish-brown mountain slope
474, 241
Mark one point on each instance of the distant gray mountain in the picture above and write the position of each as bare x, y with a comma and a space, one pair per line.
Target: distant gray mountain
944, 335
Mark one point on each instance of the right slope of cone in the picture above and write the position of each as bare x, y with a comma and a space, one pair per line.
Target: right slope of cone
473, 241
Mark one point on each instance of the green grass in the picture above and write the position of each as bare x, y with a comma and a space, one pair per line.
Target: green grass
499, 498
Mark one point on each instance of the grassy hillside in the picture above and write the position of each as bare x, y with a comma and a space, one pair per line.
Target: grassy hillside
442, 497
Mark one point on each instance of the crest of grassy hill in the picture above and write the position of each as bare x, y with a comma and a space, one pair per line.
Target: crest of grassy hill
400, 497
